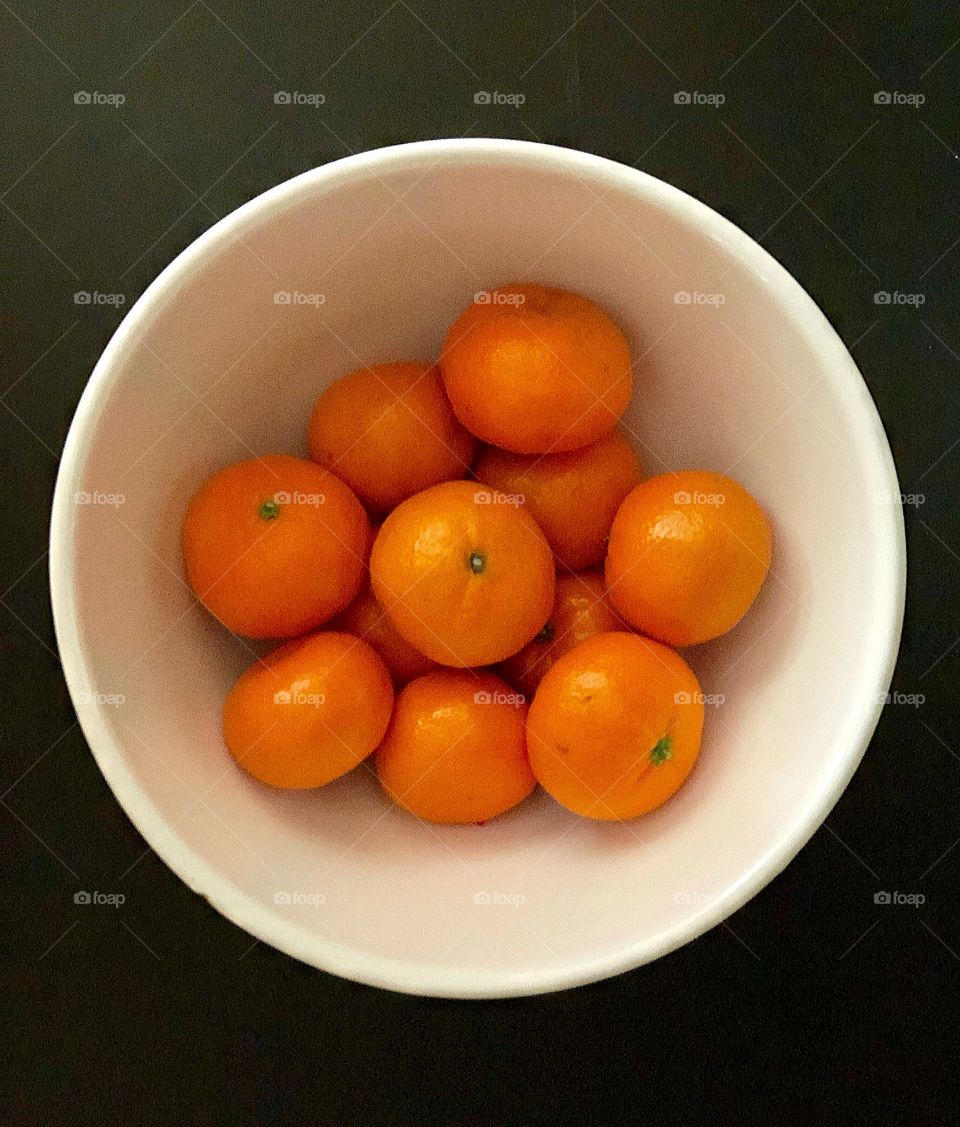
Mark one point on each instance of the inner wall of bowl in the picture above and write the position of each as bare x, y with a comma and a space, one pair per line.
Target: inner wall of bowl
349, 274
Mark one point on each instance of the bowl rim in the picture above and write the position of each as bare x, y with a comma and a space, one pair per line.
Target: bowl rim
853, 734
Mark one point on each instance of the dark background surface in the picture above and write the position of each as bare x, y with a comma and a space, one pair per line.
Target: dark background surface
813, 1001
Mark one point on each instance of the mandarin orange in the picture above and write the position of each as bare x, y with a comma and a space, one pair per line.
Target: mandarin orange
615, 726
534, 369
688, 554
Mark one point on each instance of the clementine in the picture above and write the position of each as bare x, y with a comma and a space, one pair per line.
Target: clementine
614, 729
389, 432
455, 751
467, 580
308, 712
274, 546
535, 369
688, 554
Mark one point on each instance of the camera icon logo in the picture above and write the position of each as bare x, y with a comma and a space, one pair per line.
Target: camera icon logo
281, 98
482, 98
682, 698
881, 898
682, 98
82, 98
881, 297
282, 696
82, 297
81, 898
682, 297
682, 498
482, 697
882, 98
482, 898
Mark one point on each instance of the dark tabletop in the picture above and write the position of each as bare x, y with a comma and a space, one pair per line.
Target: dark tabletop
836, 146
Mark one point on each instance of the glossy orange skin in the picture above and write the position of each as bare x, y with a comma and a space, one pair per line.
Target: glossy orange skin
549, 373
389, 432
598, 724
281, 576
422, 573
455, 750
573, 496
308, 712
683, 566
365, 618
580, 610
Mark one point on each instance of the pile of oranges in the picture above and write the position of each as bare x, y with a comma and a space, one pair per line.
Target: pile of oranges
476, 584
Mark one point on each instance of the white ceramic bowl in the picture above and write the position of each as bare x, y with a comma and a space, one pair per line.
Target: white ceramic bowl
211, 365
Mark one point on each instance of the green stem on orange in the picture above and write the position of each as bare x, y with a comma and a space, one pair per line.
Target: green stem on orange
269, 510
661, 752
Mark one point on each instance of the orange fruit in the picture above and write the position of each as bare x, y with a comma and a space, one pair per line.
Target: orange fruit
535, 369
465, 579
580, 610
688, 553
365, 618
573, 496
308, 712
389, 432
455, 751
274, 546
615, 726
